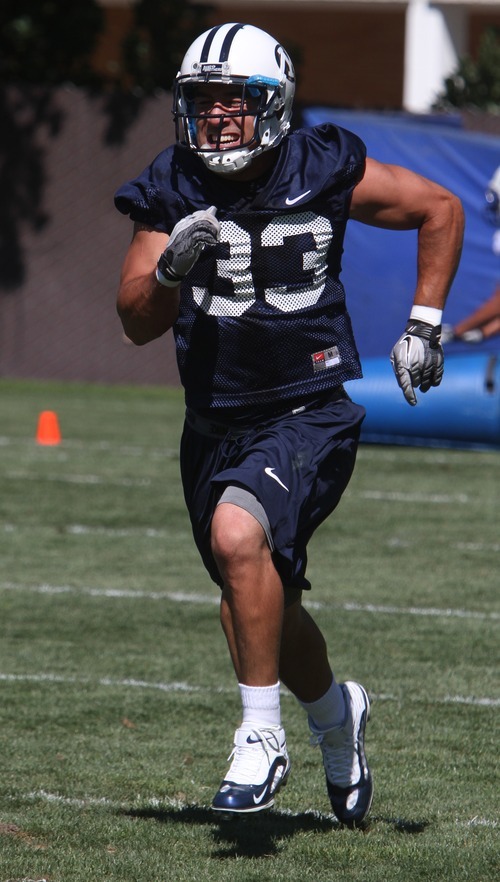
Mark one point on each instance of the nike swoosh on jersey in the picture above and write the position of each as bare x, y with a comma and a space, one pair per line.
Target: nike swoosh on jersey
289, 201
269, 470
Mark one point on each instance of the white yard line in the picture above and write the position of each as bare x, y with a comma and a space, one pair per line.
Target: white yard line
429, 456
148, 802
476, 546
425, 498
472, 700
211, 599
127, 683
116, 533
423, 455
154, 533
136, 450
428, 611
175, 597
187, 688
164, 802
375, 495
79, 479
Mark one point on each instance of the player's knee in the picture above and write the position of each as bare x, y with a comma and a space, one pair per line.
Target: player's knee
236, 537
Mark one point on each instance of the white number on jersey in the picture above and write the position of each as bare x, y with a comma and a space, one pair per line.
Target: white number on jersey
236, 269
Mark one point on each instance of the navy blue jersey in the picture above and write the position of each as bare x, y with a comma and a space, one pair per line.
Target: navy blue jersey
262, 315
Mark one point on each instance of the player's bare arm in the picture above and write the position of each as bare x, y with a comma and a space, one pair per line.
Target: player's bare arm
395, 198
156, 264
146, 308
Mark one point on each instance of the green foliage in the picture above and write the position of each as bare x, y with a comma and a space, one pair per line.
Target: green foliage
155, 47
47, 42
476, 82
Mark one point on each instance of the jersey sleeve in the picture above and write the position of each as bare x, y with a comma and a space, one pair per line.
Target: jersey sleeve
344, 151
149, 198
320, 162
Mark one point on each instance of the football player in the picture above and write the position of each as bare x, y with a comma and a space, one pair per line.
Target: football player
237, 245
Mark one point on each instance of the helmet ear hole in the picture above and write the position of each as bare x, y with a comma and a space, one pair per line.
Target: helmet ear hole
238, 55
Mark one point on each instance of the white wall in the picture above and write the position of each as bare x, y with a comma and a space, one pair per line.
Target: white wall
435, 38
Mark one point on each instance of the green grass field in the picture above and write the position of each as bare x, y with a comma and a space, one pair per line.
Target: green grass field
118, 701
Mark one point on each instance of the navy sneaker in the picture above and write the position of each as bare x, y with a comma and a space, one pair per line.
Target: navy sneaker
260, 766
348, 779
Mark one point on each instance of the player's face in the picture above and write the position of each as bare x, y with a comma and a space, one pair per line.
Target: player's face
225, 119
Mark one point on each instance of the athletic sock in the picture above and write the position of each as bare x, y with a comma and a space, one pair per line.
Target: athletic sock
261, 705
329, 710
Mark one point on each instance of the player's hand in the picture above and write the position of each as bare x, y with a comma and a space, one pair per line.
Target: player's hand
418, 359
187, 240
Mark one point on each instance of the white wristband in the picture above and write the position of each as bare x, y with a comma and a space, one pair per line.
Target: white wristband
167, 283
428, 314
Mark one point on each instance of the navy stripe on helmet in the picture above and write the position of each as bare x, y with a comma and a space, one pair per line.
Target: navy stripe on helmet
228, 39
208, 43
226, 45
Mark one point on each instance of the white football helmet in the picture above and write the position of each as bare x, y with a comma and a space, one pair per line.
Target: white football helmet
249, 59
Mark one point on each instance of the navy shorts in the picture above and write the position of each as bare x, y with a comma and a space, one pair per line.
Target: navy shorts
296, 465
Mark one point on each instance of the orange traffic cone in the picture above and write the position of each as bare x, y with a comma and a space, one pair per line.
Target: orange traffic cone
48, 431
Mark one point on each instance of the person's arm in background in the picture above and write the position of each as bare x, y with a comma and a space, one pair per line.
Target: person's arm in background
481, 324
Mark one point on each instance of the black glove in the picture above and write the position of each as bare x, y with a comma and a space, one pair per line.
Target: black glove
418, 359
187, 240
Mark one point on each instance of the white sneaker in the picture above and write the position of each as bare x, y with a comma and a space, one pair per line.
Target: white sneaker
260, 766
348, 778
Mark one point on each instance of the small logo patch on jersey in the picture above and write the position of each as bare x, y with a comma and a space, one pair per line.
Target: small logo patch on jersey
328, 358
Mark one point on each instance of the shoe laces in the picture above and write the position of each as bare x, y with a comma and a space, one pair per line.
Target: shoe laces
340, 757
247, 758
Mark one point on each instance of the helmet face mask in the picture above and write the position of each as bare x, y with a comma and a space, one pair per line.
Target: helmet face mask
212, 107
233, 96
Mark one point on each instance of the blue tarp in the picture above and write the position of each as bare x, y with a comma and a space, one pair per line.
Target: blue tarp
464, 411
379, 266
